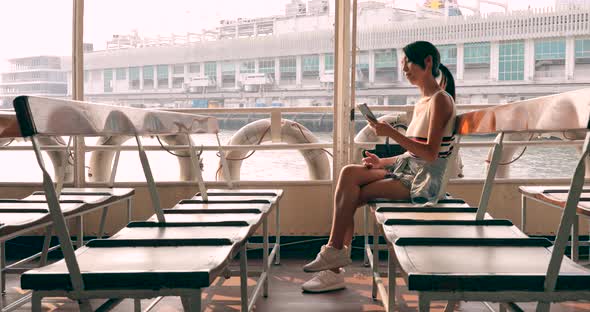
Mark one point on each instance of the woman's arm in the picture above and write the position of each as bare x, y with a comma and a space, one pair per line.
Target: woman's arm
441, 111
388, 160
373, 161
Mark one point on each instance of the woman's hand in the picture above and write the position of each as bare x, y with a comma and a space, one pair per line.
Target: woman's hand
381, 128
372, 161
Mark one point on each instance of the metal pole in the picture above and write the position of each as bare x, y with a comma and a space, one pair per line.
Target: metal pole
114, 169
244, 278
265, 266
224, 165
59, 223
351, 129
197, 167
567, 219
78, 85
341, 85
491, 175
62, 171
150, 181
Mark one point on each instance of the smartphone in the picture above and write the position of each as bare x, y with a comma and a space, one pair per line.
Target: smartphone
364, 109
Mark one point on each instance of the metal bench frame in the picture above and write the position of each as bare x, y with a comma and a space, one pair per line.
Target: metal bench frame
27, 116
484, 122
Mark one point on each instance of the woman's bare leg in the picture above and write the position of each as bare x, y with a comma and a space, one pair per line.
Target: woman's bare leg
347, 199
387, 188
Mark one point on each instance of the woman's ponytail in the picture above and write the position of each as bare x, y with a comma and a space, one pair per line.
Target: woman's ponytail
447, 81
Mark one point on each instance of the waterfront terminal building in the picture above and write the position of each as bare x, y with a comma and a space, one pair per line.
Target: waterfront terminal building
288, 60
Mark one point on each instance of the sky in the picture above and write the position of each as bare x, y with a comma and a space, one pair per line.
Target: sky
47, 27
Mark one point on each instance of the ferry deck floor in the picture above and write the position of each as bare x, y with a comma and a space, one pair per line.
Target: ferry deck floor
286, 295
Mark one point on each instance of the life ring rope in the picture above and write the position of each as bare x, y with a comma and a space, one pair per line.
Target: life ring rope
220, 167
300, 129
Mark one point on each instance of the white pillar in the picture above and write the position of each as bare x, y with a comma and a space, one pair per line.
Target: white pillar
277, 71
371, 67
69, 83
201, 69
140, 77
400, 70
322, 64
170, 73
126, 81
298, 71
114, 80
219, 74
494, 60
155, 78
256, 65
460, 61
237, 75
529, 59
570, 57
186, 76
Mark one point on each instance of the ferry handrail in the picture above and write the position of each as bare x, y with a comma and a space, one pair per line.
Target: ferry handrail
310, 109
300, 146
267, 183
506, 143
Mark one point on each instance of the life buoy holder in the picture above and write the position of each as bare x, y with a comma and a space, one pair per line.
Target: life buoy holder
291, 132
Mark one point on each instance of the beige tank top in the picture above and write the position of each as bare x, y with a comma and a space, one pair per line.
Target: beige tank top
418, 127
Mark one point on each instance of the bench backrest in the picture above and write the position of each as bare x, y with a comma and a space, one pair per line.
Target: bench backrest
49, 116
38, 116
559, 112
553, 113
569, 111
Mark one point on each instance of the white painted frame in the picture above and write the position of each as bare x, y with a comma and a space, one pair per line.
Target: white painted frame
544, 298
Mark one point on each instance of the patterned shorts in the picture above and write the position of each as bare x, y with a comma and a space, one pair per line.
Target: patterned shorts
423, 179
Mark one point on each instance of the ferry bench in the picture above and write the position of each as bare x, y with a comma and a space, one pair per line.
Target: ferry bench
556, 197
217, 218
21, 216
473, 257
227, 206
169, 257
273, 196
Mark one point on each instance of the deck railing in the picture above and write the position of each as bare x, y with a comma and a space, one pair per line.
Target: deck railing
275, 114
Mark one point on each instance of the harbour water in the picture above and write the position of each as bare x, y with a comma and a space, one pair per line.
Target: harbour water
537, 162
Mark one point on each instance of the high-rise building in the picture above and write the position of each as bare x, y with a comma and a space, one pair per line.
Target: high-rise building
296, 7
562, 3
318, 7
36, 75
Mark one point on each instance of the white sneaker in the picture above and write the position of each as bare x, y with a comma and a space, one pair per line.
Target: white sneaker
325, 281
329, 258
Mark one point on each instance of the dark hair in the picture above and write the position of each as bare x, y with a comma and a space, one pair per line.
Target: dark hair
416, 52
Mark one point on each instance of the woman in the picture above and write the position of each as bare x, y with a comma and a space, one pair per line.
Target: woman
416, 174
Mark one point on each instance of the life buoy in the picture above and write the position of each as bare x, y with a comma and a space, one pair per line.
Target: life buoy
101, 161
400, 121
291, 132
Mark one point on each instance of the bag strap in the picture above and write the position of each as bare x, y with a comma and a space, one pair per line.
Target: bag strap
387, 145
